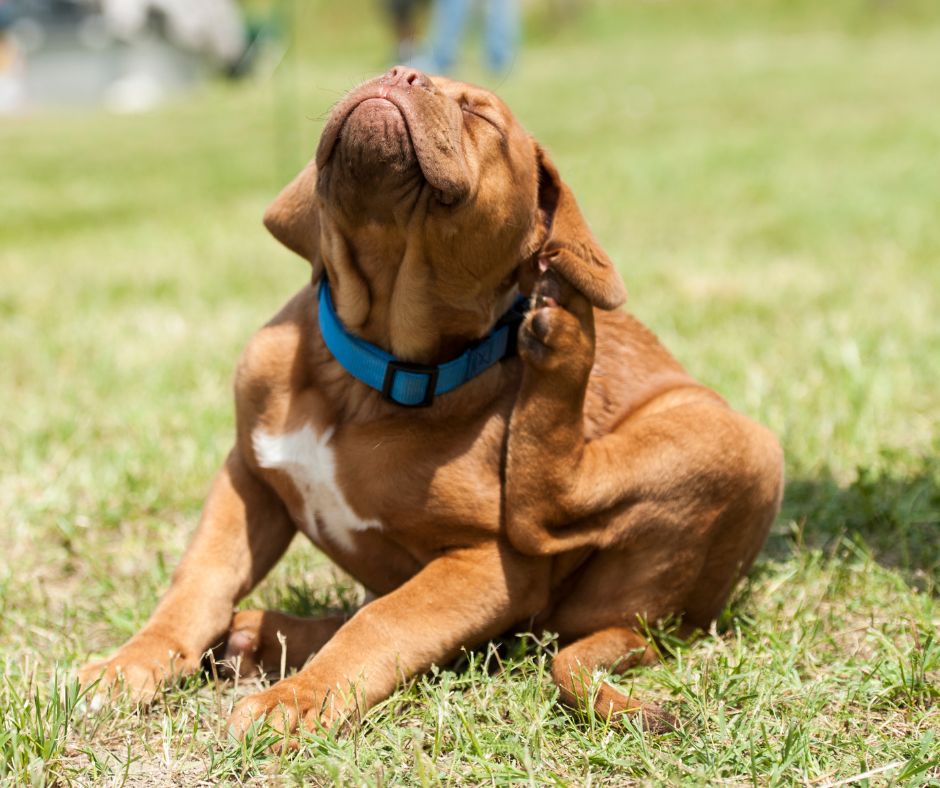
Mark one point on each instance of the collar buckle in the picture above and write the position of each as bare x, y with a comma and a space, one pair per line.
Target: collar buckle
395, 366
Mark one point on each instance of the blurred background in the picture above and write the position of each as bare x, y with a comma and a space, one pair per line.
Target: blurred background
765, 172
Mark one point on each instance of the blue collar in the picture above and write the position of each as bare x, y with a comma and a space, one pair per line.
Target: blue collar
405, 383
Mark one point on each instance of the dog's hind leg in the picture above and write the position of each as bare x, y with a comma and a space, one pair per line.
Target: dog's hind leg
275, 643
615, 649
682, 466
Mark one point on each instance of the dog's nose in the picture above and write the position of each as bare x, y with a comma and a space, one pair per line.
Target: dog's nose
403, 76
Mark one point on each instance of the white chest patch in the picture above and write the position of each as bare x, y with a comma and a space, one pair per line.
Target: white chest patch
311, 464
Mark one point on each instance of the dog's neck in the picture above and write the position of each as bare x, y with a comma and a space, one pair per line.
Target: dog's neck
399, 306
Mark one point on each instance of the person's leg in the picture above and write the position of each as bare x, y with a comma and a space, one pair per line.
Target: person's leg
401, 14
502, 34
447, 25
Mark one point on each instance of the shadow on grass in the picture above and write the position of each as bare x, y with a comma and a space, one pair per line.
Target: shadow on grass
895, 516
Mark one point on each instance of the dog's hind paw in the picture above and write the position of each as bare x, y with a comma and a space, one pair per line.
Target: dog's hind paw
242, 655
558, 333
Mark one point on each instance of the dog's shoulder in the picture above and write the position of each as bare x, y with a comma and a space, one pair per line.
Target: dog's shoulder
271, 353
272, 361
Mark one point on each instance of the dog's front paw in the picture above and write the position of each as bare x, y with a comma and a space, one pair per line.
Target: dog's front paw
139, 668
282, 707
290, 704
558, 333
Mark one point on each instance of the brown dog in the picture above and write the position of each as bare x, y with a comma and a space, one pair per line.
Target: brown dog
583, 487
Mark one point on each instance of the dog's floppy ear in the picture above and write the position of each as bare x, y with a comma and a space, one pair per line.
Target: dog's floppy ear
294, 217
570, 247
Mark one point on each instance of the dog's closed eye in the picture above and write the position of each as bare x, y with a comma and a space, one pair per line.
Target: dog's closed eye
469, 109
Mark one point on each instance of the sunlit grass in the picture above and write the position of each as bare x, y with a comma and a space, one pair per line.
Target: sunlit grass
769, 183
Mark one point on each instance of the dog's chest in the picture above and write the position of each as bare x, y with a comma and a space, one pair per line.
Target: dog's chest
307, 457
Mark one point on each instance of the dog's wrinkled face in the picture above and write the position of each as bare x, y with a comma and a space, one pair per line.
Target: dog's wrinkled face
426, 206
405, 130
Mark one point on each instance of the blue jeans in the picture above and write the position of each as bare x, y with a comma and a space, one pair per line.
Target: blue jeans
501, 34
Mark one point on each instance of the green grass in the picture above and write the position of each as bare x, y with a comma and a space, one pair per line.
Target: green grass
767, 176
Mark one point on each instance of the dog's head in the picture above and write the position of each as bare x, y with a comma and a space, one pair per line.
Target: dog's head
427, 206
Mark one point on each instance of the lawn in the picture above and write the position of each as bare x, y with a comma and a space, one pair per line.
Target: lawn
766, 174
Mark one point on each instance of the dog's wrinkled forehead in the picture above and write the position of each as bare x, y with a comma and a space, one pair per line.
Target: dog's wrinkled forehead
469, 96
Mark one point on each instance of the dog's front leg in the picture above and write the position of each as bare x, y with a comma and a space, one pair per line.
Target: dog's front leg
458, 600
244, 529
